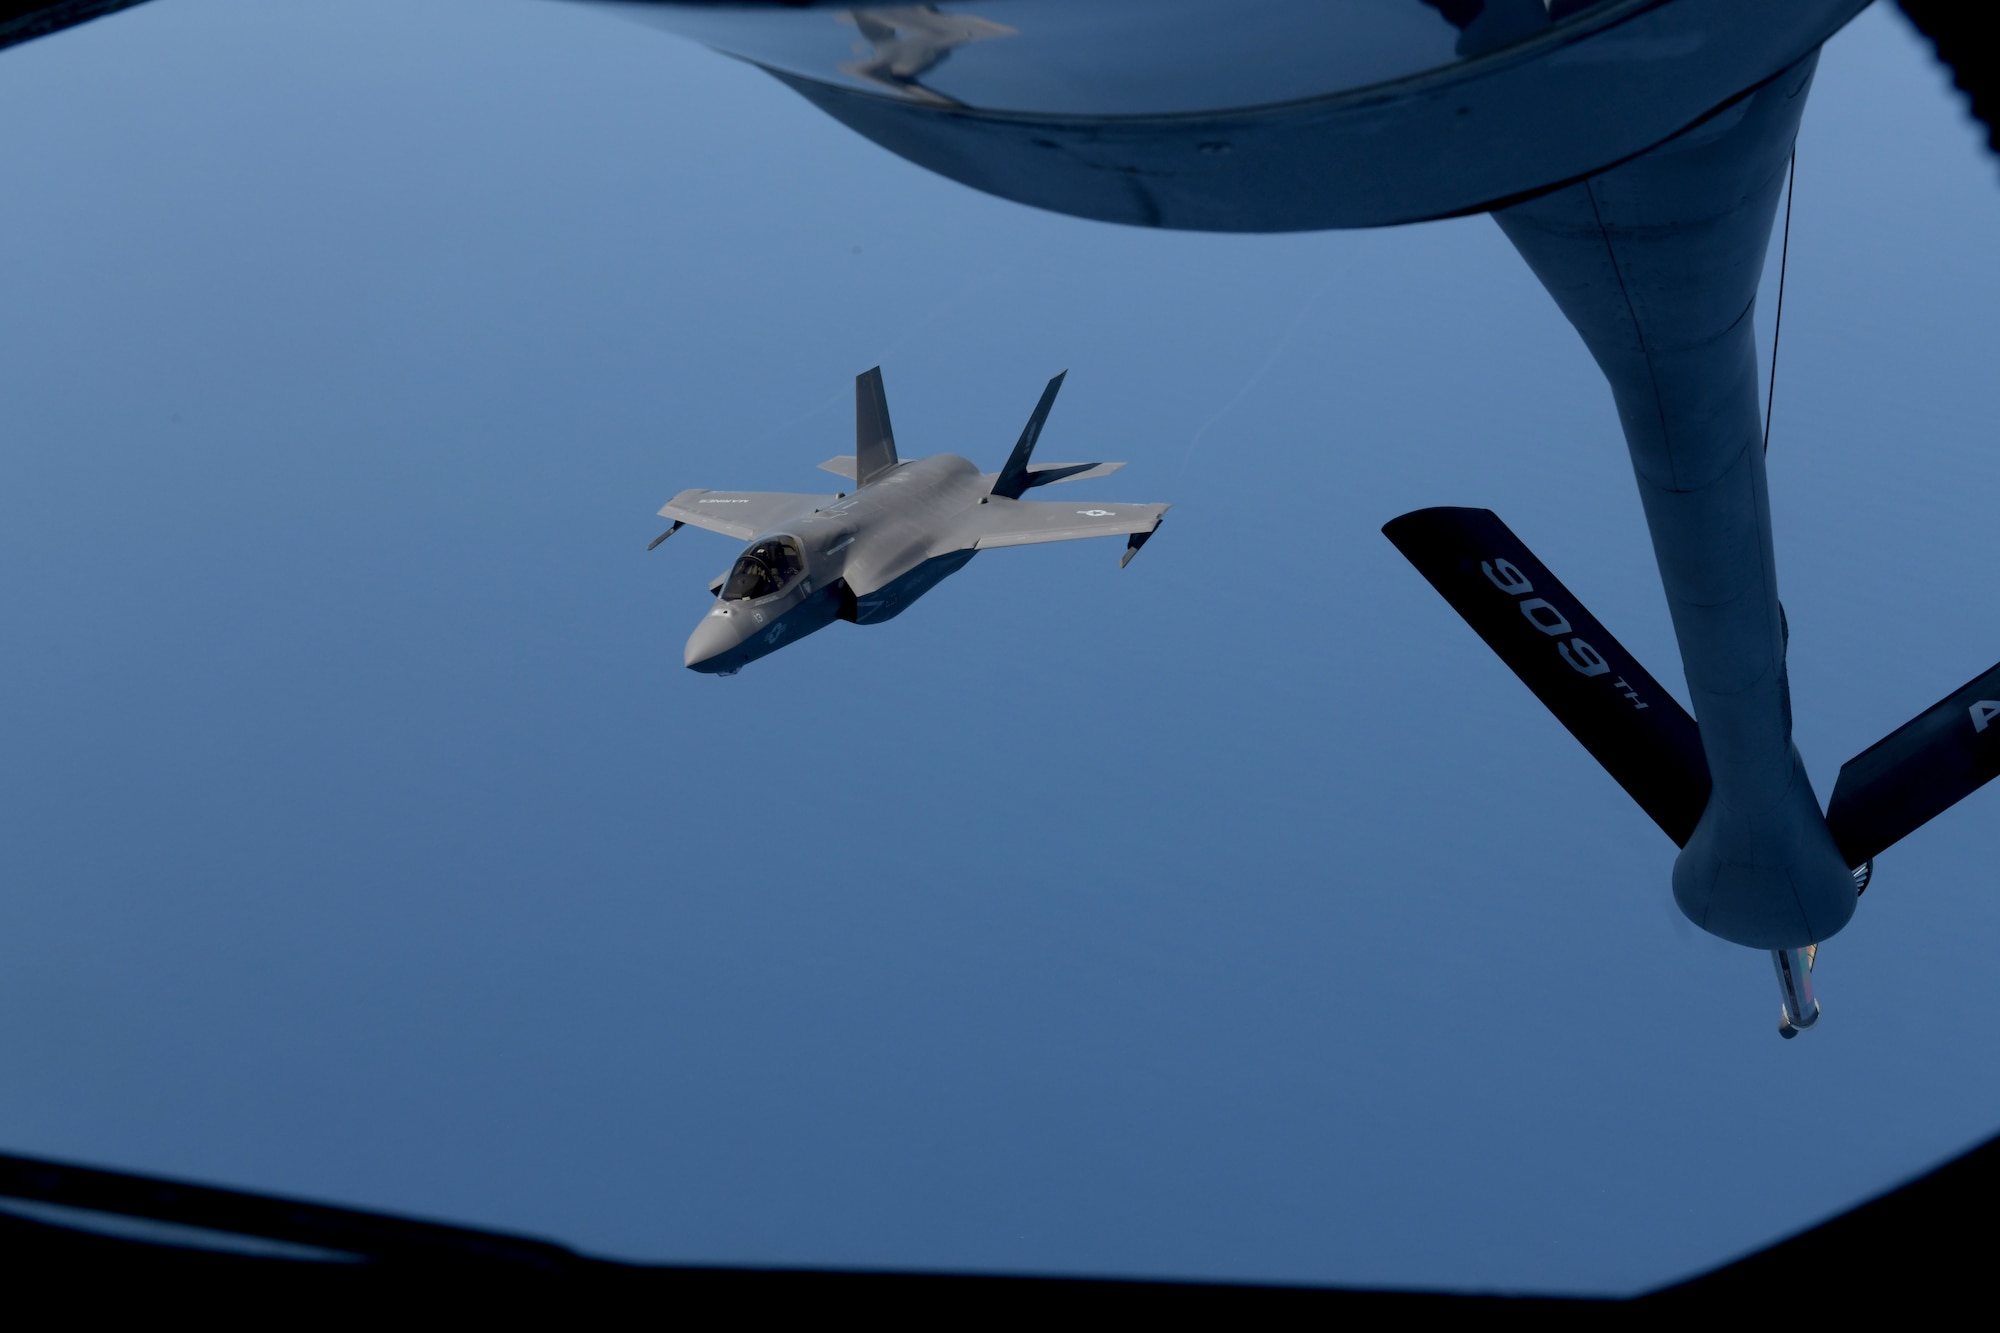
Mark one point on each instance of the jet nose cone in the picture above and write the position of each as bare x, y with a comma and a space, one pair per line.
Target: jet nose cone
709, 647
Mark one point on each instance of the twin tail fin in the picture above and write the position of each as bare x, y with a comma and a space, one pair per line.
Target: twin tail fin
1013, 481
874, 440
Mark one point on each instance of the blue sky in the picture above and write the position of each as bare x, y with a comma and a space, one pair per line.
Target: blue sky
1232, 915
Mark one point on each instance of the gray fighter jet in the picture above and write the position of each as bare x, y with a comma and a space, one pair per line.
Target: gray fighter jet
815, 559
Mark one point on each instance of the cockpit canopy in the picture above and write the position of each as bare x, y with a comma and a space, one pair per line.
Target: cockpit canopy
765, 568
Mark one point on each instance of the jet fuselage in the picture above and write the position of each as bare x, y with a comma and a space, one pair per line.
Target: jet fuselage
880, 538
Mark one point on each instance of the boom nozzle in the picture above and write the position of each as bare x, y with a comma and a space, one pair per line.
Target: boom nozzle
1797, 1010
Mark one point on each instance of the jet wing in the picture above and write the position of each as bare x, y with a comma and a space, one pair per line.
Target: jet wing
1004, 522
743, 514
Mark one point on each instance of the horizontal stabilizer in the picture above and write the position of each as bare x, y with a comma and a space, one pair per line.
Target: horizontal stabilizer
1918, 771
1047, 474
1625, 718
842, 466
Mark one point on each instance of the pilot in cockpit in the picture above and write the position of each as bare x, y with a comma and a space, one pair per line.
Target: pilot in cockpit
765, 568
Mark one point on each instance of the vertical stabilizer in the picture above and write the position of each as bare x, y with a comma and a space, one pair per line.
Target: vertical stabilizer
874, 442
1013, 479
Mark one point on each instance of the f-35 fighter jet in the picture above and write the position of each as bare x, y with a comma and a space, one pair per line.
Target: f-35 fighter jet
815, 559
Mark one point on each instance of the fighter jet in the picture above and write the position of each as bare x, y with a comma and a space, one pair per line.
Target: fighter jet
864, 557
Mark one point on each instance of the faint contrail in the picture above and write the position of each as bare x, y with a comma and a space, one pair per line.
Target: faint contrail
846, 390
1271, 360
951, 303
